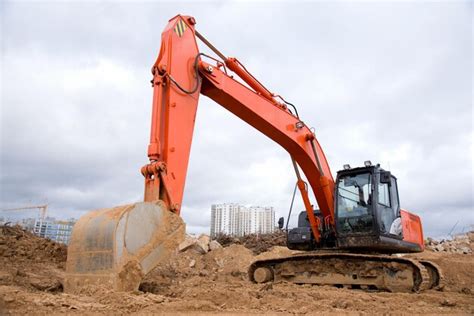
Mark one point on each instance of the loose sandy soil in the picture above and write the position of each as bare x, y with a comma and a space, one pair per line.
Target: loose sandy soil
32, 269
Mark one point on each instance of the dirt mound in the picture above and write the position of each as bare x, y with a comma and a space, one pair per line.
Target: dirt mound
256, 243
17, 244
220, 264
30, 261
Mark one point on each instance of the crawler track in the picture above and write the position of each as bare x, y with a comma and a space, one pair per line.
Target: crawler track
376, 272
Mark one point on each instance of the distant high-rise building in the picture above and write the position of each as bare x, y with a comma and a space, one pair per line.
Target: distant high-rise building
225, 218
237, 220
59, 231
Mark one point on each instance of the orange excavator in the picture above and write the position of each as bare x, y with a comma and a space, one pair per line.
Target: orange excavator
346, 242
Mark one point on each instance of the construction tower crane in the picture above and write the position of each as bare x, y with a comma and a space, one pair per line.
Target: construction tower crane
42, 208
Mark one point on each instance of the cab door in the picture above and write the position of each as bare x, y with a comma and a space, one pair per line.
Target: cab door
384, 207
388, 206
394, 196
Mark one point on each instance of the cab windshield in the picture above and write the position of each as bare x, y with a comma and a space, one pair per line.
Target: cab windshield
354, 199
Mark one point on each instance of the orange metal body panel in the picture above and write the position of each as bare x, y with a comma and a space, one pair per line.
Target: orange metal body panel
174, 113
279, 125
412, 229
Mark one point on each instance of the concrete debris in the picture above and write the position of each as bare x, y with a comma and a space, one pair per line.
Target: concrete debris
203, 244
461, 244
448, 303
213, 245
187, 243
200, 247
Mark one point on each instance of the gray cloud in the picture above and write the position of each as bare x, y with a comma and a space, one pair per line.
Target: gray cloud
390, 82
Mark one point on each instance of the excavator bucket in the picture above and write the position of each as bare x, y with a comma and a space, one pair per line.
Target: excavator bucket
116, 247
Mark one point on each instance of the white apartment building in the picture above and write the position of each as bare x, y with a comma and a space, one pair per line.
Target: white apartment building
237, 220
224, 218
59, 231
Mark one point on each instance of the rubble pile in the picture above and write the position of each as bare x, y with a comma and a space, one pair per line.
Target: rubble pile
200, 258
462, 244
256, 243
202, 244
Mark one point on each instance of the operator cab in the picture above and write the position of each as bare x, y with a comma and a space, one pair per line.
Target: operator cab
367, 215
367, 210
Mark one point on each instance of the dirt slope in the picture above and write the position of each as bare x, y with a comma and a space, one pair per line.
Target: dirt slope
31, 271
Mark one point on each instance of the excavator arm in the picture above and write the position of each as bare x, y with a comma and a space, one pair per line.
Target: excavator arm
179, 75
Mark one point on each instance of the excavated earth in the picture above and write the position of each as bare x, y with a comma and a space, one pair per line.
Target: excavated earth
32, 270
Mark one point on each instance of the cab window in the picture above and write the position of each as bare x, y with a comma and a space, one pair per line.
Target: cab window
384, 196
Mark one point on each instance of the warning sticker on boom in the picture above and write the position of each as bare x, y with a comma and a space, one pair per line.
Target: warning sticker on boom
180, 28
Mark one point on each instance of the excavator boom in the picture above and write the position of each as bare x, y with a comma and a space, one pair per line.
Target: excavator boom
179, 76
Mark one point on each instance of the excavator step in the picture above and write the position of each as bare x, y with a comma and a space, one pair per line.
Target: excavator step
370, 272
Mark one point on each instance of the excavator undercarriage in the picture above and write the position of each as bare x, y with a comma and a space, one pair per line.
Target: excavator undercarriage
349, 270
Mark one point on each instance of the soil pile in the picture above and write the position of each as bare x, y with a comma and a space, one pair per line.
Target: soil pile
29, 261
254, 242
17, 244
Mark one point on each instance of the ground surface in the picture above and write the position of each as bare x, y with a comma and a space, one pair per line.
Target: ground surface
31, 272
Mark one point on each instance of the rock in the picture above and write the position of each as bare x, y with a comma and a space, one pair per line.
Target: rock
187, 243
341, 304
303, 310
448, 303
219, 262
214, 244
438, 247
465, 250
8, 299
266, 287
466, 290
192, 264
45, 284
203, 241
431, 242
201, 248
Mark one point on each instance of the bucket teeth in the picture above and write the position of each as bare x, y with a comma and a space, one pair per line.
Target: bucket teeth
117, 247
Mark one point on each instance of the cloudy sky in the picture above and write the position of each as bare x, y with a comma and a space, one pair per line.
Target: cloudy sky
390, 82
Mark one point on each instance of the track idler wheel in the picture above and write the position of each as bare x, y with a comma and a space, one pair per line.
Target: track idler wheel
263, 274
